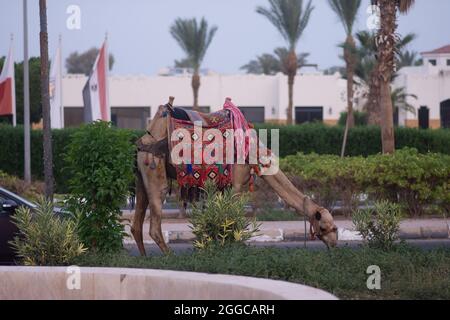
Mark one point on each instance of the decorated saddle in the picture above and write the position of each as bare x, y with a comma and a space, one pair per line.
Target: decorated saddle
198, 166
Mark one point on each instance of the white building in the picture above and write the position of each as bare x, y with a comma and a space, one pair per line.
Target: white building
431, 84
262, 98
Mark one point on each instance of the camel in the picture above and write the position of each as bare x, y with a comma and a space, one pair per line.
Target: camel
155, 172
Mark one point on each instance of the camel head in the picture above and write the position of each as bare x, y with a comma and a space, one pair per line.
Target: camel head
322, 223
157, 128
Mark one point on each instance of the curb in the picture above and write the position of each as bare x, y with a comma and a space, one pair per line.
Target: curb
291, 235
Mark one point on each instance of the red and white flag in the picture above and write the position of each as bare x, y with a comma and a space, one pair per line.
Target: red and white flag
95, 92
8, 87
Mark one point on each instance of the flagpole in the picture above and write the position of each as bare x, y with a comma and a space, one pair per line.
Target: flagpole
13, 80
26, 98
108, 107
61, 113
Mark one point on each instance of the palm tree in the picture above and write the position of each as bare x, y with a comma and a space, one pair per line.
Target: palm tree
367, 73
264, 64
347, 11
408, 59
271, 64
290, 18
399, 99
194, 38
386, 44
45, 100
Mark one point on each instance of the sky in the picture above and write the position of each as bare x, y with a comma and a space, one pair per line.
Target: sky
139, 38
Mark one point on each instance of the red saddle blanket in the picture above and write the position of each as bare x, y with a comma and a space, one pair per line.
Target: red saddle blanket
192, 175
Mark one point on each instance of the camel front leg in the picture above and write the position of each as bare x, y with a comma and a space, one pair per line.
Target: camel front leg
241, 177
139, 214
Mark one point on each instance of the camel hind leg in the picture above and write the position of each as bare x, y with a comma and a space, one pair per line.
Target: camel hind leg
139, 214
156, 185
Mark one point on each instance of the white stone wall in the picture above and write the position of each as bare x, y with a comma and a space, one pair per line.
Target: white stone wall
271, 92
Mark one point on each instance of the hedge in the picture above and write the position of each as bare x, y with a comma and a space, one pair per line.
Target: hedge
362, 141
419, 182
12, 146
310, 138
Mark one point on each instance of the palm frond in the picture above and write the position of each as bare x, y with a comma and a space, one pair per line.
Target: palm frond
290, 18
347, 11
194, 38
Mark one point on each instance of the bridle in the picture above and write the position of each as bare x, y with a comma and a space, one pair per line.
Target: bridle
168, 109
155, 148
319, 235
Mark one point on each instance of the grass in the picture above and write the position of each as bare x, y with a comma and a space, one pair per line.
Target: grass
278, 215
406, 273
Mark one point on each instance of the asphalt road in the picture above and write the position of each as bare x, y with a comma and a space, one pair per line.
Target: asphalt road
179, 248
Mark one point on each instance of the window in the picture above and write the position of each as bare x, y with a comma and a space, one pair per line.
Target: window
73, 116
253, 114
308, 114
130, 117
424, 117
448, 62
433, 62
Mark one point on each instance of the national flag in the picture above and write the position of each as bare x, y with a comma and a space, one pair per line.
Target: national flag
95, 92
8, 87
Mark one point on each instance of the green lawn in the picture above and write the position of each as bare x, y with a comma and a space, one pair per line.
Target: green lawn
278, 215
406, 273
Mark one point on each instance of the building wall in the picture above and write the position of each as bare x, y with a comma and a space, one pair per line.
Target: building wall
431, 85
311, 90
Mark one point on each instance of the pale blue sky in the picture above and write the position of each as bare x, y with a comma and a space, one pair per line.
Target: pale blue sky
140, 40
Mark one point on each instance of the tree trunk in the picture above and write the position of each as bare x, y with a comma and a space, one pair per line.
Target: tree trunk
195, 87
373, 101
45, 101
291, 67
350, 60
387, 123
386, 40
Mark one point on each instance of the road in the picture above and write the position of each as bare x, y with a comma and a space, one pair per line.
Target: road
178, 248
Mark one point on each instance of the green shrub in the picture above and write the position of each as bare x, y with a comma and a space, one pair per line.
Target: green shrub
308, 138
416, 181
45, 239
219, 219
362, 141
379, 226
29, 191
361, 118
327, 178
100, 160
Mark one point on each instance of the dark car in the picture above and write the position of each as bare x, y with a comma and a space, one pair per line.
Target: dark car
9, 202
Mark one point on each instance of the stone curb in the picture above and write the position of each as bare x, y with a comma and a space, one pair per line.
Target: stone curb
288, 235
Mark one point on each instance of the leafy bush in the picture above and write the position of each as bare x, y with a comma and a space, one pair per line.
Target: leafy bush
327, 178
379, 227
361, 118
219, 219
100, 160
417, 181
362, 141
45, 239
29, 191
309, 138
